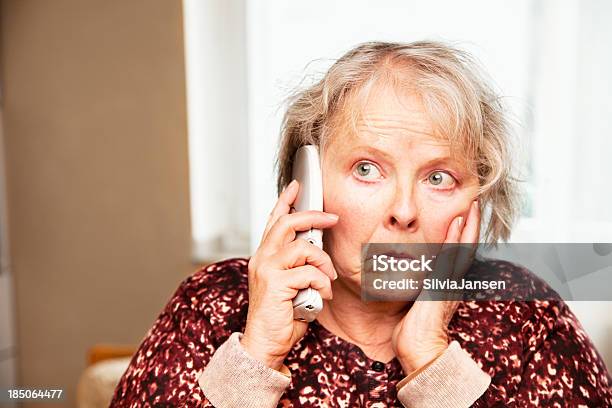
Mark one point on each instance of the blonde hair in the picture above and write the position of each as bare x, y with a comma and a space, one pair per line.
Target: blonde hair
455, 93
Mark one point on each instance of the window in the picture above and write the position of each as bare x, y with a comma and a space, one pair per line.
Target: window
548, 59
217, 116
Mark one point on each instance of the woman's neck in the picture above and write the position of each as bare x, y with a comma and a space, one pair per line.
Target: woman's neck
369, 326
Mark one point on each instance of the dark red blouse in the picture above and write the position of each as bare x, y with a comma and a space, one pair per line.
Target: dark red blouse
536, 353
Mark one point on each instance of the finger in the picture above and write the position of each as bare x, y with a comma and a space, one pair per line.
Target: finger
453, 235
471, 231
445, 259
447, 253
307, 276
283, 206
284, 229
469, 241
300, 252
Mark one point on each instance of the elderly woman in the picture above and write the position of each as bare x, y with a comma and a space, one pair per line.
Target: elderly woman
413, 146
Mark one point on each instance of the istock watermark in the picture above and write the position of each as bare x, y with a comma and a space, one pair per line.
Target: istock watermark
509, 271
384, 263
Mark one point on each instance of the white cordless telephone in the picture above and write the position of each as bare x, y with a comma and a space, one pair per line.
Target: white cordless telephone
307, 171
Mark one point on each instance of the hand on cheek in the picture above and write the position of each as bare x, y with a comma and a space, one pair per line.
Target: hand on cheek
421, 335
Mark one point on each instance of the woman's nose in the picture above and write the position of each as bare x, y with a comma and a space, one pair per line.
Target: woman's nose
403, 211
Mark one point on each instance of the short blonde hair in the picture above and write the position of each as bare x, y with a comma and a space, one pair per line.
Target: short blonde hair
455, 93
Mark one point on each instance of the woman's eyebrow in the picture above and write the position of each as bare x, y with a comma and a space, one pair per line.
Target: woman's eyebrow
440, 160
444, 160
372, 150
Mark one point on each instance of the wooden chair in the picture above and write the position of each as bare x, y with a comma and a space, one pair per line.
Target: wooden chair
100, 352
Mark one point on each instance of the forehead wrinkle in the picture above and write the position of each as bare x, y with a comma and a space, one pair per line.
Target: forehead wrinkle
390, 125
384, 104
408, 120
385, 113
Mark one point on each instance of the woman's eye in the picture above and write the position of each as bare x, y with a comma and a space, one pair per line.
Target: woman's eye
367, 170
441, 179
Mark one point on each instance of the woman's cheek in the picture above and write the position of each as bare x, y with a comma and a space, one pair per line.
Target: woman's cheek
349, 205
437, 216
436, 219
356, 208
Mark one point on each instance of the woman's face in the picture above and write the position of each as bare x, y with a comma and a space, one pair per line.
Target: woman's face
391, 182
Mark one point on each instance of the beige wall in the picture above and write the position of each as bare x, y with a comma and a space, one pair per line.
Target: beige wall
97, 174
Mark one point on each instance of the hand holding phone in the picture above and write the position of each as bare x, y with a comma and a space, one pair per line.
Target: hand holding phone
280, 267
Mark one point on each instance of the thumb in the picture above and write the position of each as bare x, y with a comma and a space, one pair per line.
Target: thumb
299, 330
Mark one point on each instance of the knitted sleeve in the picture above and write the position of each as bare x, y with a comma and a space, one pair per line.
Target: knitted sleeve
196, 322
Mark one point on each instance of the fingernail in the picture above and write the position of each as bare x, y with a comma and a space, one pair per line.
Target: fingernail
475, 204
459, 222
332, 216
292, 184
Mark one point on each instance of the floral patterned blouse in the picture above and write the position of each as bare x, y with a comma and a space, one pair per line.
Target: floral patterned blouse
536, 353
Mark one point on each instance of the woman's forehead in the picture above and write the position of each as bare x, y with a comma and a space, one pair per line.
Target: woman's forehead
392, 119
385, 110
387, 117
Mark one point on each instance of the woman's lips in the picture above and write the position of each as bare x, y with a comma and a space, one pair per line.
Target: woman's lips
408, 250
397, 255
394, 253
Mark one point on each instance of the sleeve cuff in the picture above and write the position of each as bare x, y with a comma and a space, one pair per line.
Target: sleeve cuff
233, 378
453, 379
